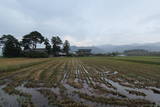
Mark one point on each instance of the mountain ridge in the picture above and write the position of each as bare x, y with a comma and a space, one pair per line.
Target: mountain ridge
119, 48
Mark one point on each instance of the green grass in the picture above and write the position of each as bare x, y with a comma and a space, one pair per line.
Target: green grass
144, 60
12, 64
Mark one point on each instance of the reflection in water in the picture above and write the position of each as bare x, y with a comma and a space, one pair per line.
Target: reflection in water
7, 100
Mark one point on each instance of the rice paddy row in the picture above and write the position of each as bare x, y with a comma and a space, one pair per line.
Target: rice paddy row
79, 82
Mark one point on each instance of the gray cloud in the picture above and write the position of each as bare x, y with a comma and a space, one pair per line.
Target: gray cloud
84, 22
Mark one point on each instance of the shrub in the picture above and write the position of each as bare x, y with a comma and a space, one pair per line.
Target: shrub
36, 54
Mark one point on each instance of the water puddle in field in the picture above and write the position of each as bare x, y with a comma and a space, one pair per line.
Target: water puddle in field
7, 100
86, 89
37, 98
150, 95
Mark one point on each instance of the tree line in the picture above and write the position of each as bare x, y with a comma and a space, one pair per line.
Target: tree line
12, 47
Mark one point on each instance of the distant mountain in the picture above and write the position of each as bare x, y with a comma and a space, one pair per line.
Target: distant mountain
120, 48
94, 49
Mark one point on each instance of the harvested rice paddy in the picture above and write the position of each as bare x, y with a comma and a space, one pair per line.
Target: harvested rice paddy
80, 82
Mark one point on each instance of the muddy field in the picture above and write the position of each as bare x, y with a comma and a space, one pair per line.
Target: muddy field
80, 82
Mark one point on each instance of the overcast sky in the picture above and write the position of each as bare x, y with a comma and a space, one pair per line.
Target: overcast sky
84, 22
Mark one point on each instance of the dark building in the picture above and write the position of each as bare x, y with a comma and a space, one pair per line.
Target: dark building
84, 52
37, 50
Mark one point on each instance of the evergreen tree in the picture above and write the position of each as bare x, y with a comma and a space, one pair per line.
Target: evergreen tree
56, 42
30, 41
47, 46
11, 46
66, 47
